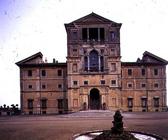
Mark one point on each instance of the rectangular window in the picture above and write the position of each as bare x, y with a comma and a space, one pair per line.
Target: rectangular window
113, 52
130, 102
143, 72
75, 83
113, 82
29, 73
143, 85
30, 86
85, 82
156, 102
113, 67
144, 102
155, 72
43, 73
44, 112
129, 72
30, 103
129, 85
60, 103
60, 86
43, 86
102, 82
112, 36
74, 50
43, 103
74, 68
156, 85
75, 102
113, 102
59, 72
74, 35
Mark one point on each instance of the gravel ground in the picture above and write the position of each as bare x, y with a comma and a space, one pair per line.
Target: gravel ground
64, 127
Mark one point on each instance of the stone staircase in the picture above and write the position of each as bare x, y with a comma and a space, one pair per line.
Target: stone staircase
92, 114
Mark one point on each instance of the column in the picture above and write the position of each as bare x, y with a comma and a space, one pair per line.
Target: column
98, 34
99, 64
87, 34
88, 63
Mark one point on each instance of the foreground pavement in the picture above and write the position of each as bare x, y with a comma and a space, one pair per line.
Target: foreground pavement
63, 127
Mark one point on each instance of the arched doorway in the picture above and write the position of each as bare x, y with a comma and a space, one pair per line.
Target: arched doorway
94, 99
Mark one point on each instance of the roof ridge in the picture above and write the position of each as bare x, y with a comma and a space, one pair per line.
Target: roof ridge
30, 58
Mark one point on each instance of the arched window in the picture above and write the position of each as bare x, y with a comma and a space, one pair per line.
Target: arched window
94, 60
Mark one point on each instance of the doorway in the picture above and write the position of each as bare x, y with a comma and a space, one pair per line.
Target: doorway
94, 99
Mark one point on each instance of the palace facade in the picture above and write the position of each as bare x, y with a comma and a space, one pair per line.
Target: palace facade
93, 76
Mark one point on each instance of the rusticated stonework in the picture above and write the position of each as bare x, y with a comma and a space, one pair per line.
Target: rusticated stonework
93, 76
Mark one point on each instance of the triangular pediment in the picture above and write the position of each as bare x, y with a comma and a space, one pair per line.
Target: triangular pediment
93, 18
33, 59
151, 58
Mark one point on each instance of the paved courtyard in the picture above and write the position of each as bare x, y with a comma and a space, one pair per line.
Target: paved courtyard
63, 127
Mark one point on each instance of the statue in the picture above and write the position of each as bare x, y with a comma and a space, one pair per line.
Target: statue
117, 132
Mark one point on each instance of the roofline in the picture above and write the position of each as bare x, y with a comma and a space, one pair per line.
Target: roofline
29, 58
44, 65
141, 64
156, 57
107, 20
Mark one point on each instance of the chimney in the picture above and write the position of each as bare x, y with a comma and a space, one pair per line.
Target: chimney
53, 60
46, 60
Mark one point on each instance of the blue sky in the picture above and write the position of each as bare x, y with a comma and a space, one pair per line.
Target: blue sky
30, 26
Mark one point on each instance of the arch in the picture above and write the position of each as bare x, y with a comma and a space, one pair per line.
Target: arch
94, 99
94, 60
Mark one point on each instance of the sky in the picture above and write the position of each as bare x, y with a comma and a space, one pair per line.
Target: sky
30, 26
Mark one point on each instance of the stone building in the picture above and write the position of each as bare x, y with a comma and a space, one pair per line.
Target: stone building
93, 76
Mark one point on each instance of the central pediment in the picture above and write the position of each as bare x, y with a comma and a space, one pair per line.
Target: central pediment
93, 18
